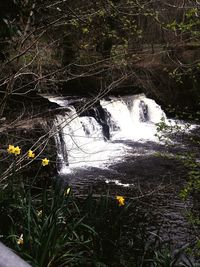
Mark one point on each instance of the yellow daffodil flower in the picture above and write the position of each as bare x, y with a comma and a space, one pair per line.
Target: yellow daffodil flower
121, 200
45, 162
11, 149
67, 191
20, 241
39, 213
17, 151
31, 154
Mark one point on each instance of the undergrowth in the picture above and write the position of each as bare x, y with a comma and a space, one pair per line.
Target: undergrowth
49, 226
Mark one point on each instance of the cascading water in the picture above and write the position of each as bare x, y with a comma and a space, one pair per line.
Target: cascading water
135, 117
95, 140
118, 137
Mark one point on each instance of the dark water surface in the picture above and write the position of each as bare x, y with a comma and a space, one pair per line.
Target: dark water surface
153, 182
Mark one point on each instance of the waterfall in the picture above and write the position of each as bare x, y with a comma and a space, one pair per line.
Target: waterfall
133, 117
93, 138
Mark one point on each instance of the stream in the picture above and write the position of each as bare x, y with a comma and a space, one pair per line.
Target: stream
113, 147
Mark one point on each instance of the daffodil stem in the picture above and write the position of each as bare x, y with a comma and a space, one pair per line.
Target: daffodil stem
31, 184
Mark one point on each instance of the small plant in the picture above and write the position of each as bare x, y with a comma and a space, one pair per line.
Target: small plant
48, 229
165, 257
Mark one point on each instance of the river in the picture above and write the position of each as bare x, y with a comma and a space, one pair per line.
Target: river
112, 147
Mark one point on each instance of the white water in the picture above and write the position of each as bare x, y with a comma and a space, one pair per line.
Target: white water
128, 115
85, 145
82, 142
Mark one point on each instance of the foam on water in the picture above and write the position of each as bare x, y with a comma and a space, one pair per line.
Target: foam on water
82, 142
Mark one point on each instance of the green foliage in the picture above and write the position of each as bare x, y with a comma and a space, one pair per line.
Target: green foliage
166, 130
54, 233
51, 227
165, 257
189, 25
121, 231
